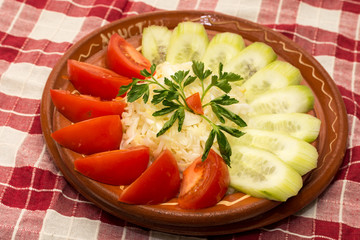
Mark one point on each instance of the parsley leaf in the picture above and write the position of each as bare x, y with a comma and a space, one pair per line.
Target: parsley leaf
224, 100
214, 108
223, 85
232, 131
209, 142
164, 111
179, 76
123, 89
231, 116
224, 147
181, 118
137, 91
159, 96
168, 124
189, 80
198, 69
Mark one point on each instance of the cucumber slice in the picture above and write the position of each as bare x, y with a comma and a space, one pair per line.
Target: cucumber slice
298, 154
300, 125
261, 174
277, 74
222, 48
188, 42
297, 98
155, 41
250, 60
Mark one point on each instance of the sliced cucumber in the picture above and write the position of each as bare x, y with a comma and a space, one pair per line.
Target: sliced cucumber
155, 41
277, 74
297, 98
188, 42
261, 174
298, 154
222, 48
300, 125
250, 60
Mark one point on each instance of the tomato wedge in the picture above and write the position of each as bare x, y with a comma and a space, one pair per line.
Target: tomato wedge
159, 183
204, 182
124, 59
118, 167
94, 80
194, 103
91, 136
77, 108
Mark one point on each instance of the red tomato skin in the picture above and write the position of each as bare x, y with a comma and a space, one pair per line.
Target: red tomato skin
94, 80
117, 167
204, 182
159, 183
91, 136
124, 59
194, 103
78, 108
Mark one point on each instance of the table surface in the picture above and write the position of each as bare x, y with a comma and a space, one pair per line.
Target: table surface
36, 202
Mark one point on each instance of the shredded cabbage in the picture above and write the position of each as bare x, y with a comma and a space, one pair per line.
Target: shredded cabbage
140, 127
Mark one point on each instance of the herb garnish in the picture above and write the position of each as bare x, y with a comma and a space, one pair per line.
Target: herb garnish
172, 96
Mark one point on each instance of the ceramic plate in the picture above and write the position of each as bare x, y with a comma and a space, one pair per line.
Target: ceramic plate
236, 212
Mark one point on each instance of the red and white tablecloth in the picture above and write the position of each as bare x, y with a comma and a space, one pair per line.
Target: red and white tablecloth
36, 202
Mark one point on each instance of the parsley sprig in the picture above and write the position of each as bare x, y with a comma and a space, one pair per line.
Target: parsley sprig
172, 96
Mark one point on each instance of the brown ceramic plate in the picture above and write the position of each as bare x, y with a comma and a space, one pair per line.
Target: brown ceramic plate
237, 212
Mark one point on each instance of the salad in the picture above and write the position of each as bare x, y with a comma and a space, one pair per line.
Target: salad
191, 118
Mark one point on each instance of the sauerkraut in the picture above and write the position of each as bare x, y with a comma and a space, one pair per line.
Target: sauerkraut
140, 127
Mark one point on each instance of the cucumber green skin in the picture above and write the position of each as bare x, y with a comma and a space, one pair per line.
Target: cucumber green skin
300, 125
188, 42
296, 98
155, 41
275, 75
250, 60
298, 154
261, 174
223, 47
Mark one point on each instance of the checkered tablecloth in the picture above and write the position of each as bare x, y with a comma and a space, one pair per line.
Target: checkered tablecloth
36, 202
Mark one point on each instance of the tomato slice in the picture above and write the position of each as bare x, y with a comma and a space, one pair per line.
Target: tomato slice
91, 136
204, 182
159, 183
124, 59
194, 103
94, 80
77, 108
118, 167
